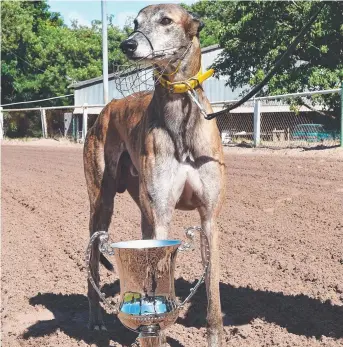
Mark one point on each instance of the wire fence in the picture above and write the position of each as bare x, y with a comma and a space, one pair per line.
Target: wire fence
30, 123
282, 121
71, 122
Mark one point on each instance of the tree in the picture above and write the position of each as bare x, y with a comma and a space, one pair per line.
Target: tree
256, 33
213, 14
41, 56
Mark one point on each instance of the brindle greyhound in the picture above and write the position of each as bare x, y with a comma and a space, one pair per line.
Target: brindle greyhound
159, 148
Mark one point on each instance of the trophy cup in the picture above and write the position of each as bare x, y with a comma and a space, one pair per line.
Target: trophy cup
147, 304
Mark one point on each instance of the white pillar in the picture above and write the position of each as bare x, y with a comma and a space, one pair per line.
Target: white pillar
84, 122
44, 125
1, 124
104, 50
257, 122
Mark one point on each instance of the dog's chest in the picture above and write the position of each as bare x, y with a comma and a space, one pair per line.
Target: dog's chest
180, 120
187, 182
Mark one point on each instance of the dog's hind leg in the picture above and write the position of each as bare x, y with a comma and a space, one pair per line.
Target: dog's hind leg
100, 218
102, 186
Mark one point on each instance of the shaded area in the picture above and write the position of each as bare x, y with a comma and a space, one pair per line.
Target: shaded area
71, 317
299, 314
320, 147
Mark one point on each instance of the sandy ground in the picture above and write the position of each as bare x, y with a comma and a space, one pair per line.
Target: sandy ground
281, 250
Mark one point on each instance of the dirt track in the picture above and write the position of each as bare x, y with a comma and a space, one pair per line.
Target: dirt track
281, 232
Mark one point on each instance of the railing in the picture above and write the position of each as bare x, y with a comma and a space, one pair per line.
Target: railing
43, 116
256, 131
257, 106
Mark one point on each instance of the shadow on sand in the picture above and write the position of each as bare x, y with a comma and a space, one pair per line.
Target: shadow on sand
299, 314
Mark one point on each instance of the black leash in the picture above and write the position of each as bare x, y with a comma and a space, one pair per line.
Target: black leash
272, 72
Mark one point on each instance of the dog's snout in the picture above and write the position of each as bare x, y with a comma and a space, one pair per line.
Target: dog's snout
128, 46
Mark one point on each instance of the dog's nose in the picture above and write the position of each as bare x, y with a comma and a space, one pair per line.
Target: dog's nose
128, 46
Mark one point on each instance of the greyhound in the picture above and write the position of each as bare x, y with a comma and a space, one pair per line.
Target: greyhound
158, 147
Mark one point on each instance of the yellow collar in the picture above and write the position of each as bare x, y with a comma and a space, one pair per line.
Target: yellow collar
184, 86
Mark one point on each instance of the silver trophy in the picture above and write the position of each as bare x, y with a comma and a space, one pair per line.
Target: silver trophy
147, 304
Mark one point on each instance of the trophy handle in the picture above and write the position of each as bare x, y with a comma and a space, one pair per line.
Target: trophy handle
190, 245
106, 248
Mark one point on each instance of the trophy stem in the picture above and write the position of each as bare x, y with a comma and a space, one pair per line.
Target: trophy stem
152, 336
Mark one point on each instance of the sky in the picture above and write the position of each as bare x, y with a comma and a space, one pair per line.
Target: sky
86, 11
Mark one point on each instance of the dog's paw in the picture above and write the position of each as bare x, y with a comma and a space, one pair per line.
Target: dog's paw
214, 339
100, 327
97, 326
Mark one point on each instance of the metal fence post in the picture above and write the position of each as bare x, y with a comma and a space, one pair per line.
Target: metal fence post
257, 122
41, 120
73, 127
341, 136
1, 124
44, 126
104, 50
84, 121
77, 125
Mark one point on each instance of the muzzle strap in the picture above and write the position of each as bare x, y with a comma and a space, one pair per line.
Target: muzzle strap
147, 38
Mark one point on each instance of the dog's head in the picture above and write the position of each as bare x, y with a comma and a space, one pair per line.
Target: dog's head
162, 34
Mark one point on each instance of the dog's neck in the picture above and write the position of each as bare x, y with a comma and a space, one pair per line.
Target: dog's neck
178, 71
188, 66
177, 112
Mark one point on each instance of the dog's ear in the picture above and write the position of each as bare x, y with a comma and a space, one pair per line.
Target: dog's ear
197, 24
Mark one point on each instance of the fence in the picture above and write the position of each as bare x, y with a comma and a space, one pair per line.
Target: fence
290, 120
271, 121
67, 122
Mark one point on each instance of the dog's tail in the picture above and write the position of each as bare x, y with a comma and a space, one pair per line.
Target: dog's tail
107, 264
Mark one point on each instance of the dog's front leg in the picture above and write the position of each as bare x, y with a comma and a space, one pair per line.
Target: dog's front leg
161, 185
159, 192
212, 196
214, 313
157, 201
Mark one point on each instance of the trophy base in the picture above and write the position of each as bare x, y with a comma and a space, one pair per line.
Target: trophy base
151, 336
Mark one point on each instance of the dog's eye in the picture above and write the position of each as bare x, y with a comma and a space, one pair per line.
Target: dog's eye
165, 21
135, 23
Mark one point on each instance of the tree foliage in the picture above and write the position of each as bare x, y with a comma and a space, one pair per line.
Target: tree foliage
258, 32
254, 34
214, 15
41, 56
